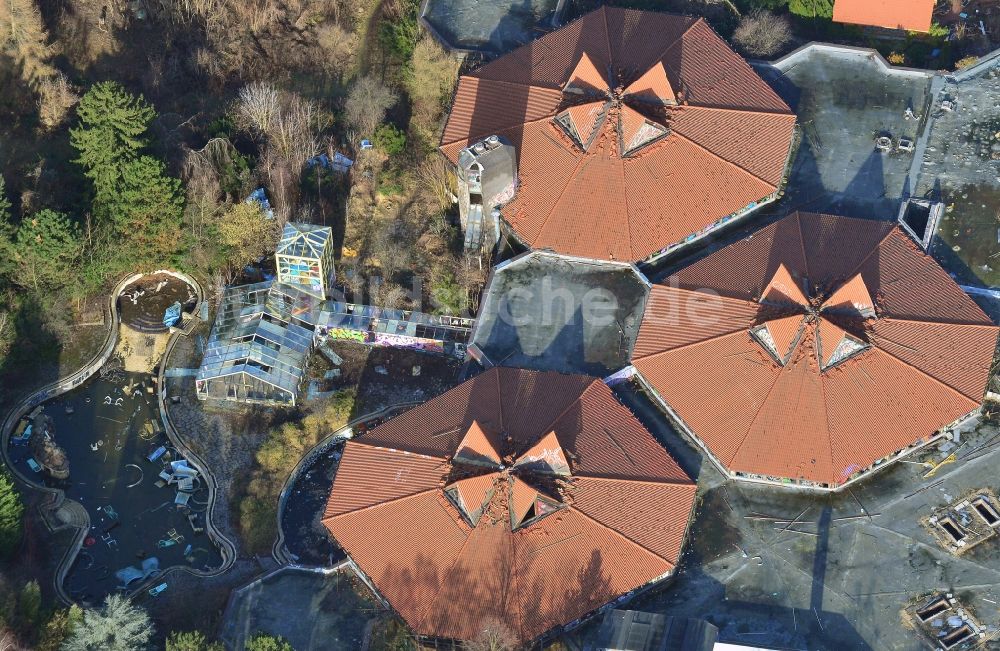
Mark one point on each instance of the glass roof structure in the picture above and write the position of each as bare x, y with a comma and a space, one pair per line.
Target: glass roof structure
260, 344
303, 240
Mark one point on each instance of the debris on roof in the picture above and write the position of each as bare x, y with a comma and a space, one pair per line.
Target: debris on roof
529, 497
824, 345
634, 131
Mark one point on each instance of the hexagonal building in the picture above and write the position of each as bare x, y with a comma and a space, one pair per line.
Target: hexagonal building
814, 350
634, 132
521, 498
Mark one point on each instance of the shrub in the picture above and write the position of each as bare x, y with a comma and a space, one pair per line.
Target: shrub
897, 58
762, 34
811, 8
389, 139
262, 642
966, 62
11, 512
191, 641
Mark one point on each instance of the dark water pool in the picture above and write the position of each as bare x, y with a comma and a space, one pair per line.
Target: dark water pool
108, 428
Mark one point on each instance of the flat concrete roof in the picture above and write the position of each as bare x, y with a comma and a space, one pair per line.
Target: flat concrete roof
550, 312
492, 26
844, 98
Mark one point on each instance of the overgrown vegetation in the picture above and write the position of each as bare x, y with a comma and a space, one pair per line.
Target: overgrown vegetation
11, 512
283, 448
119, 625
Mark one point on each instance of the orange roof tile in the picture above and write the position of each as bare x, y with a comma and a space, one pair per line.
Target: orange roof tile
912, 15
587, 77
476, 448
653, 85
644, 182
545, 456
857, 385
852, 295
784, 289
785, 333
614, 521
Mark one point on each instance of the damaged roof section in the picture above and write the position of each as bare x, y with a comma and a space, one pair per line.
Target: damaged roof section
523, 497
633, 131
822, 344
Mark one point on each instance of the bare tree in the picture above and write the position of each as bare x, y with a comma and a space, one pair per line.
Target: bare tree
257, 107
762, 34
56, 96
367, 103
494, 635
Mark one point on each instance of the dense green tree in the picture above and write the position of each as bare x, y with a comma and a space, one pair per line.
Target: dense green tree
811, 8
46, 250
29, 605
112, 131
58, 628
119, 625
146, 214
4, 201
390, 139
262, 642
11, 514
191, 641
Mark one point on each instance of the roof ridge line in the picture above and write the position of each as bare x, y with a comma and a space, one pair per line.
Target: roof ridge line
875, 248
562, 193
674, 42
473, 138
930, 322
926, 374
653, 482
712, 107
763, 402
373, 445
724, 159
629, 539
549, 428
829, 428
327, 518
499, 403
729, 333
444, 580
802, 244
621, 170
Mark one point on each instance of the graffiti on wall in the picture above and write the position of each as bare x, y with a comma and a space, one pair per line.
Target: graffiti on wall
413, 343
346, 334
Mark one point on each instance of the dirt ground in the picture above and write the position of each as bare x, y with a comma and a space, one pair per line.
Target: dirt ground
383, 376
140, 351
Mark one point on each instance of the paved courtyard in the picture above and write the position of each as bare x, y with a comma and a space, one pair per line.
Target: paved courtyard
837, 572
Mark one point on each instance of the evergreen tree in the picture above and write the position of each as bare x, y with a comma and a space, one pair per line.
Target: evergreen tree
262, 642
11, 512
191, 641
58, 628
46, 250
811, 8
147, 213
112, 132
119, 625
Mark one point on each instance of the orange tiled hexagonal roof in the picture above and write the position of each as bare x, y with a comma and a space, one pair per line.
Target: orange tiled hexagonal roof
531, 498
633, 130
823, 344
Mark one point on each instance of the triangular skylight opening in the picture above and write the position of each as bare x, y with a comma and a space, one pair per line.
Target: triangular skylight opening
637, 131
527, 504
582, 122
836, 345
779, 336
471, 494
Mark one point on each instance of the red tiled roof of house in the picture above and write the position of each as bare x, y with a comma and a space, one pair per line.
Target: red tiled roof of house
586, 505
912, 15
674, 132
885, 349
